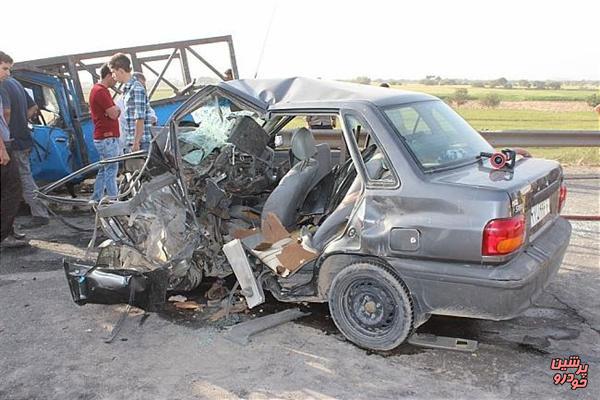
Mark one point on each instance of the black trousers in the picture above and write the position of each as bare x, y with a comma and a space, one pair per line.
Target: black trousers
10, 188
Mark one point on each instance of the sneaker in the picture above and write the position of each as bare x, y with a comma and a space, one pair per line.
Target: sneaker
35, 222
11, 243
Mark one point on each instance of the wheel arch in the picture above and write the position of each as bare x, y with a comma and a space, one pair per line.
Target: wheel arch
335, 262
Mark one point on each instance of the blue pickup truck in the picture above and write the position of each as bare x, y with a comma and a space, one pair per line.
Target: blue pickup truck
63, 130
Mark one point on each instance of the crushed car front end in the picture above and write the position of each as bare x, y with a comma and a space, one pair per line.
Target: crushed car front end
166, 229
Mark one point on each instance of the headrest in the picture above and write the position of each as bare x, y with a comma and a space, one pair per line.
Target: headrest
375, 166
303, 144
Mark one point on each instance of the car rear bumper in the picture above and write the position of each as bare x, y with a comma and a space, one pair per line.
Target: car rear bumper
493, 292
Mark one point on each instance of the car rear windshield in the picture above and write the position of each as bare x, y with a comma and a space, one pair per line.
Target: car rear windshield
436, 135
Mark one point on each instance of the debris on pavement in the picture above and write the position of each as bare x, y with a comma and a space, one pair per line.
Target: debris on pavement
238, 307
188, 305
443, 342
217, 291
177, 299
241, 333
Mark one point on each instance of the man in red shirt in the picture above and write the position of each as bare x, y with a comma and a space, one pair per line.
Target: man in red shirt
105, 115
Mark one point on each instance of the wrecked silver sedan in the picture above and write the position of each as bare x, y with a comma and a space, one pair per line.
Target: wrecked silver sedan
397, 215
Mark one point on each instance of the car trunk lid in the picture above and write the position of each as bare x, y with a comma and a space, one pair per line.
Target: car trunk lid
533, 187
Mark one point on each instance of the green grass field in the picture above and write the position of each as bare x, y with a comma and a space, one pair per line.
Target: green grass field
502, 119
567, 94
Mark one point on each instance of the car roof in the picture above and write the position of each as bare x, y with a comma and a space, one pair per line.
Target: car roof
299, 92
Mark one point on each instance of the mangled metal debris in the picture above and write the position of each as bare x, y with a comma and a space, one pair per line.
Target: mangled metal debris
177, 298
443, 342
228, 309
251, 289
242, 333
217, 291
95, 284
188, 305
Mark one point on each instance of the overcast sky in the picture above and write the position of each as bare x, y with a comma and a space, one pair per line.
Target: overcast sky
331, 39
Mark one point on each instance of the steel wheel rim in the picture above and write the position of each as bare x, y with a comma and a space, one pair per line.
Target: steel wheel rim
370, 307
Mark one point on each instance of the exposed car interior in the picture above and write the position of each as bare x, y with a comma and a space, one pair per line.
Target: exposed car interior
273, 184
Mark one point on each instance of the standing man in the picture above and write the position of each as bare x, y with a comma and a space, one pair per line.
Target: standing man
123, 120
141, 78
19, 107
137, 115
105, 115
10, 184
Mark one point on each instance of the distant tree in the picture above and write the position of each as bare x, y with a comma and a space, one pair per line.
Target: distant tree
553, 85
524, 83
508, 85
490, 100
478, 84
449, 82
498, 82
365, 80
539, 84
593, 100
460, 97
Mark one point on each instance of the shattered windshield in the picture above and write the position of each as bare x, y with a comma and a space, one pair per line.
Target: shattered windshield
215, 118
436, 135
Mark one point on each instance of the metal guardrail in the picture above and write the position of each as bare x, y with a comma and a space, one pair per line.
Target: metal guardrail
529, 138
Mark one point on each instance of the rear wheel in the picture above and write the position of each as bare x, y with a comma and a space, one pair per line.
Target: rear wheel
371, 306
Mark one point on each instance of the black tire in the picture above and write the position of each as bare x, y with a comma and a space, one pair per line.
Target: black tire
371, 306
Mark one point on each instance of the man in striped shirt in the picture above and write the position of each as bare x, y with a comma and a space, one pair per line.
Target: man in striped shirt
137, 108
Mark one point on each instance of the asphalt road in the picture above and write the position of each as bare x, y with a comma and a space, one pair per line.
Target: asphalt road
51, 348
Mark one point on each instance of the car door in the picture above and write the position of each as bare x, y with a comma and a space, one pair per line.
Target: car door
57, 145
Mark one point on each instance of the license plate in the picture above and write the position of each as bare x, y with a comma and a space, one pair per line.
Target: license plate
539, 211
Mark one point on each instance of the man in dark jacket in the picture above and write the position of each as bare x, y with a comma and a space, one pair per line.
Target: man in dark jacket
10, 185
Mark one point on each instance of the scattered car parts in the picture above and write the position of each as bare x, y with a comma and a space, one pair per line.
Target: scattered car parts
241, 333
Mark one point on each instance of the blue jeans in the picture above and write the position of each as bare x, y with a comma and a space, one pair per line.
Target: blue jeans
107, 173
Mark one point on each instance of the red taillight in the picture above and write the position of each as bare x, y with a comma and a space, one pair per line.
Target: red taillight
503, 236
562, 197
